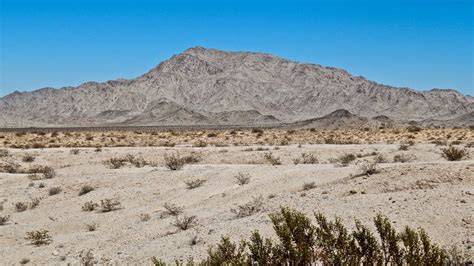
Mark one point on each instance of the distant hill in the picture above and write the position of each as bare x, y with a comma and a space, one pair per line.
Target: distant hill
211, 87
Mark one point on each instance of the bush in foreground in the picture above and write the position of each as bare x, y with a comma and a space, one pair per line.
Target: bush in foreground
454, 154
300, 242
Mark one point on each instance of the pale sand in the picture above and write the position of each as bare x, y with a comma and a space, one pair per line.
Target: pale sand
429, 192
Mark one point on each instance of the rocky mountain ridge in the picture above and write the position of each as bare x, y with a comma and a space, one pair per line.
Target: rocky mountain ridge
211, 87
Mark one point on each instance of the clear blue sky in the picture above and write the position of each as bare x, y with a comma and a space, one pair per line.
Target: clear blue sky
420, 44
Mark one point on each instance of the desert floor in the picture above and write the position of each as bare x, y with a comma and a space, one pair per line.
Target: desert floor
426, 191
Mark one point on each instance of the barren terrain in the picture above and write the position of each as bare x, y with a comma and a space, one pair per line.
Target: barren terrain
413, 185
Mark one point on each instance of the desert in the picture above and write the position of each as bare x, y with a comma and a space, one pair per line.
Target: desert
113, 197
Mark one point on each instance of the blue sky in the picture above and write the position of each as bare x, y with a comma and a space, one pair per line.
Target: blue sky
420, 44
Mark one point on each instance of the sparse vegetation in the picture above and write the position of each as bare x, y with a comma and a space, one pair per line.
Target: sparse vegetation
249, 208
40, 237
89, 206
173, 209
242, 179
21, 206
268, 156
402, 158
54, 190
28, 158
306, 159
452, 153
345, 159
185, 222
74, 151
309, 185
4, 219
144, 217
85, 189
119, 162
368, 168
108, 205
194, 183
92, 227
299, 242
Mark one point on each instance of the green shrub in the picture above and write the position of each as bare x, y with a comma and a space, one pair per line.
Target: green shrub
454, 154
300, 242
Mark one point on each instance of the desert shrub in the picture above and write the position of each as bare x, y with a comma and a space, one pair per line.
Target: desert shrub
368, 168
413, 129
98, 149
453, 153
185, 222
268, 156
89, 206
191, 159
306, 159
4, 153
173, 209
257, 131
54, 190
380, 159
85, 189
309, 185
92, 227
227, 253
249, 208
174, 162
34, 203
300, 242
242, 179
108, 205
10, 167
200, 144
74, 151
87, 258
403, 147
144, 217
194, 183
47, 171
4, 219
345, 159
402, 158
28, 158
115, 163
119, 162
21, 206
40, 237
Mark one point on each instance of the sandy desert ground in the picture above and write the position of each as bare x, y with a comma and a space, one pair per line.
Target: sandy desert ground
424, 191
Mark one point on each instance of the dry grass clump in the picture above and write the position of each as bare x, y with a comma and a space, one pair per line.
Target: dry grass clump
85, 189
344, 160
380, 159
119, 162
108, 205
74, 151
368, 168
185, 222
28, 158
194, 183
306, 159
249, 208
21, 206
4, 219
402, 158
47, 171
40, 237
4, 153
54, 191
300, 242
89, 206
200, 144
176, 162
453, 153
309, 185
173, 209
10, 167
92, 227
242, 179
268, 156
144, 217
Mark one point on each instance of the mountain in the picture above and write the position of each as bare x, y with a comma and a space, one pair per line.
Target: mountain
211, 87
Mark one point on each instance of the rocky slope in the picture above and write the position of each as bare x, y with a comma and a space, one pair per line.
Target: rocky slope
213, 87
